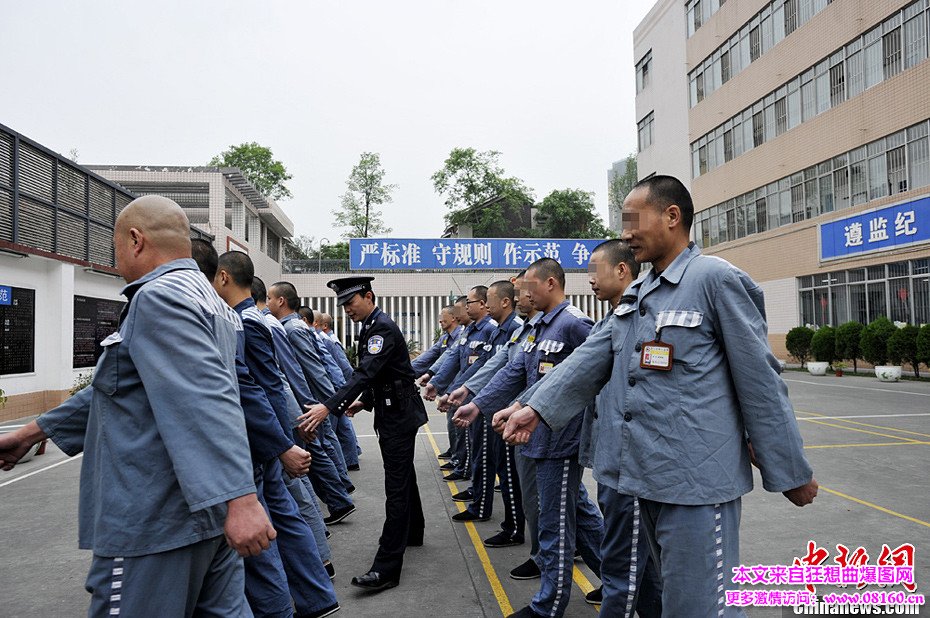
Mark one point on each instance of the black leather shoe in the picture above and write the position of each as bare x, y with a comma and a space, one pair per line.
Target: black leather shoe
415, 541
455, 476
447, 466
330, 570
497, 488
353, 468
503, 539
374, 581
468, 516
446, 455
464, 496
337, 516
350, 489
595, 596
526, 612
527, 570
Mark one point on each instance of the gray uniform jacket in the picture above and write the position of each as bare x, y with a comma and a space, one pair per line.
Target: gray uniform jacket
161, 426
501, 358
678, 436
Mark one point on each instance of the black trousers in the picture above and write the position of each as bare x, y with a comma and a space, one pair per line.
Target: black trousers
403, 521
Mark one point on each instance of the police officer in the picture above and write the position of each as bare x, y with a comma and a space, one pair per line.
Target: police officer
384, 379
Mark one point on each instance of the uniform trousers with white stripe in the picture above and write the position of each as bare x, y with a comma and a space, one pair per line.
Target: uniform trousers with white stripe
202, 579
495, 457
695, 549
567, 518
628, 572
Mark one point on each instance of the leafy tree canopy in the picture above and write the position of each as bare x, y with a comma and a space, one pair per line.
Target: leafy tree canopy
358, 211
569, 213
259, 166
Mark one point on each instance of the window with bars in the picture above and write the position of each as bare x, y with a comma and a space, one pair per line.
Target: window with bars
781, 116
891, 53
837, 85
896, 170
755, 44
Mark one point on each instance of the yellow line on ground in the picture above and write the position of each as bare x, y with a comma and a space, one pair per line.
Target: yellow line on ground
496, 587
843, 420
873, 433
865, 444
583, 583
876, 507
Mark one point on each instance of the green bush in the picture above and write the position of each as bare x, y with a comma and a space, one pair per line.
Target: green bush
874, 341
923, 345
902, 347
847, 342
798, 343
823, 344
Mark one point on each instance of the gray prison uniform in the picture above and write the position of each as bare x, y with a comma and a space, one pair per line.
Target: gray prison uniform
526, 466
675, 439
155, 477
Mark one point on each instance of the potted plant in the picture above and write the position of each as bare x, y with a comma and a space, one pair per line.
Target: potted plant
798, 343
874, 345
823, 348
847, 342
923, 345
902, 347
838, 367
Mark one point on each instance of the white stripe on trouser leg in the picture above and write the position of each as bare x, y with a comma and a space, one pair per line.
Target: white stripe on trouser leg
560, 579
510, 472
116, 584
631, 592
718, 546
484, 472
467, 453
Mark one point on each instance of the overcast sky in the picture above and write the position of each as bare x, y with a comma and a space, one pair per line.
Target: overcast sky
549, 84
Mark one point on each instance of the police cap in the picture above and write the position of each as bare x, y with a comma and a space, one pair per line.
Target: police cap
346, 287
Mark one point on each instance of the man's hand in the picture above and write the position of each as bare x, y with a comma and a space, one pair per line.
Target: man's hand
465, 415
423, 379
520, 425
247, 528
442, 404
752, 455
354, 408
17, 443
459, 395
296, 461
499, 420
804, 494
315, 415
430, 393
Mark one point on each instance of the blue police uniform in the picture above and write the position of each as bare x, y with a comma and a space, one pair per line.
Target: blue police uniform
307, 579
440, 355
174, 352
566, 514
384, 380
675, 439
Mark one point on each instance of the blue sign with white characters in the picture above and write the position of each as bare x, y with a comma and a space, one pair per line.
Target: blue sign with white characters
876, 230
465, 253
6, 295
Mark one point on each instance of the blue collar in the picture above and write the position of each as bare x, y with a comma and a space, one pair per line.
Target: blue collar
180, 264
546, 319
672, 274
245, 304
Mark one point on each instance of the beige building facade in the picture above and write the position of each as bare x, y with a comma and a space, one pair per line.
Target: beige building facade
807, 140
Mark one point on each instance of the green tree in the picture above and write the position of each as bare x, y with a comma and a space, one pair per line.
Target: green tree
619, 185
847, 342
469, 177
798, 343
902, 347
874, 341
569, 213
258, 165
923, 345
359, 212
299, 247
823, 344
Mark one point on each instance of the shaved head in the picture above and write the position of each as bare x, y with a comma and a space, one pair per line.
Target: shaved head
151, 231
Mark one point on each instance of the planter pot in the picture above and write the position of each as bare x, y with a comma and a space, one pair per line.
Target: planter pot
817, 368
888, 373
839, 373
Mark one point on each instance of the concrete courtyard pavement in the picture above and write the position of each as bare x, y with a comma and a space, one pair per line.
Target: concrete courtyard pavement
867, 441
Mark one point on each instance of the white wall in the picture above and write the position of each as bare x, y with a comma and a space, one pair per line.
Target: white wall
781, 304
664, 31
55, 284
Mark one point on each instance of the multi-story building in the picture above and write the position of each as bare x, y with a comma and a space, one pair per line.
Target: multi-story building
221, 202
807, 148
